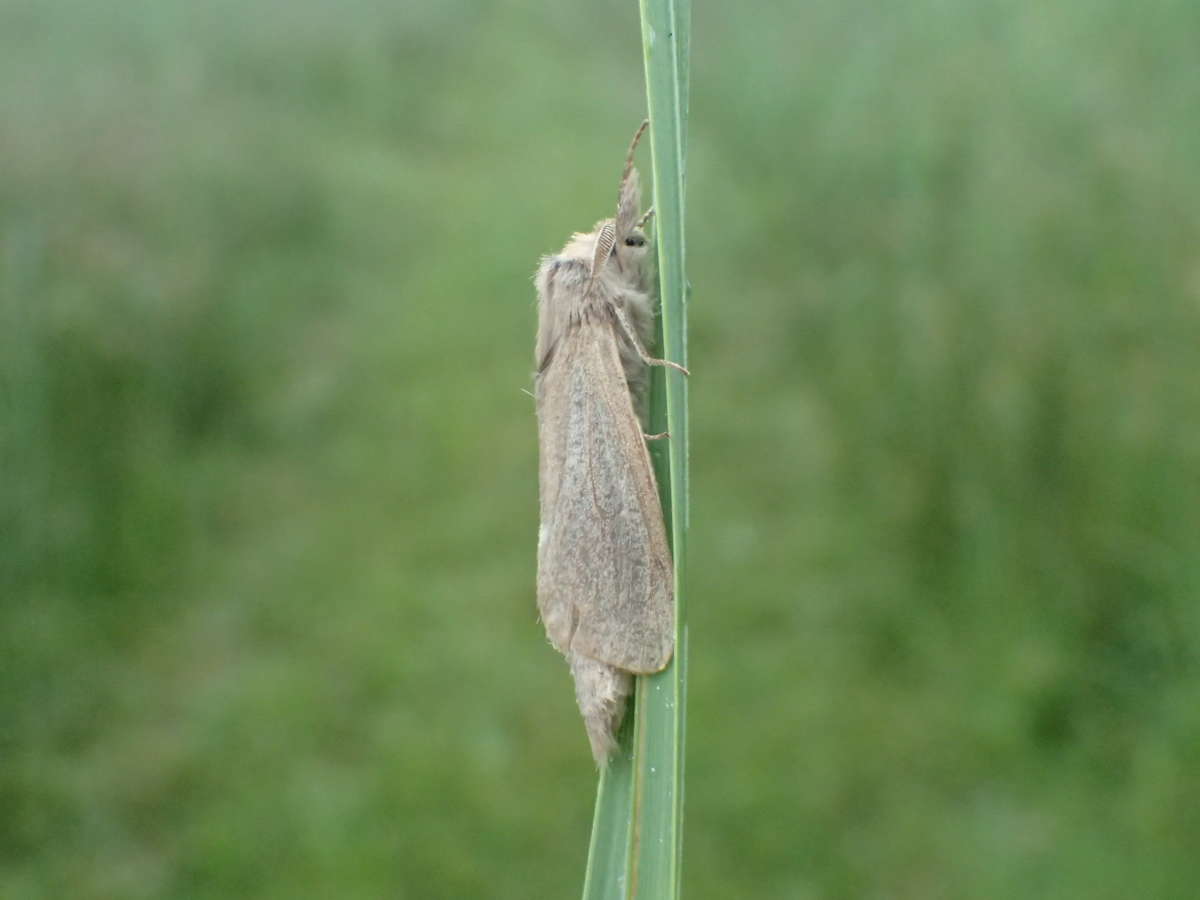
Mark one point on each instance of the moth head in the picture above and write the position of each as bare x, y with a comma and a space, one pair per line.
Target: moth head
630, 250
624, 252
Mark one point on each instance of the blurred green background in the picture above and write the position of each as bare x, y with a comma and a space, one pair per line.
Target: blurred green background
268, 493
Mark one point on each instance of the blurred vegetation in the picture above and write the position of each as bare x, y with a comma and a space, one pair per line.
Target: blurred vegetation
267, 506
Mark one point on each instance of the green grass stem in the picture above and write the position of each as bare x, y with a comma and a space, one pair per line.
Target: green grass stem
637, 832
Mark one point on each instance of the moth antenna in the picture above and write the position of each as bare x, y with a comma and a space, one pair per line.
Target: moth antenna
637, 136
637, 345
606, 237
628, 190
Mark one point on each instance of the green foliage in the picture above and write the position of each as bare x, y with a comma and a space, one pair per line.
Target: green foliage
268, 500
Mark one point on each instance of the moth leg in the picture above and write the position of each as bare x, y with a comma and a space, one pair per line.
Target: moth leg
641, 223
653, 361
656, 437
637, 345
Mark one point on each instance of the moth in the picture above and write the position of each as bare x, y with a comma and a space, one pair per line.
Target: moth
605, 579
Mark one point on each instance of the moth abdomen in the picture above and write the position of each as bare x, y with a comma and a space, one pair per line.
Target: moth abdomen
601, 691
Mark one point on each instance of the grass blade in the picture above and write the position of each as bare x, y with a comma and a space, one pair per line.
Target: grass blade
656, 848
637, 831
607, 873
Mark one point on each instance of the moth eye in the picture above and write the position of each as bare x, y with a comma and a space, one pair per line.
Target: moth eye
635, 241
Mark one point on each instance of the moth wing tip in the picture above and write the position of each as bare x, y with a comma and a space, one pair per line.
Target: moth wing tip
656, 664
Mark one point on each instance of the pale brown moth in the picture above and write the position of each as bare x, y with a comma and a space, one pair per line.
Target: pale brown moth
605, 581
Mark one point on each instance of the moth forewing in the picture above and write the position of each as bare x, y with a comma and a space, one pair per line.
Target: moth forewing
605, 577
